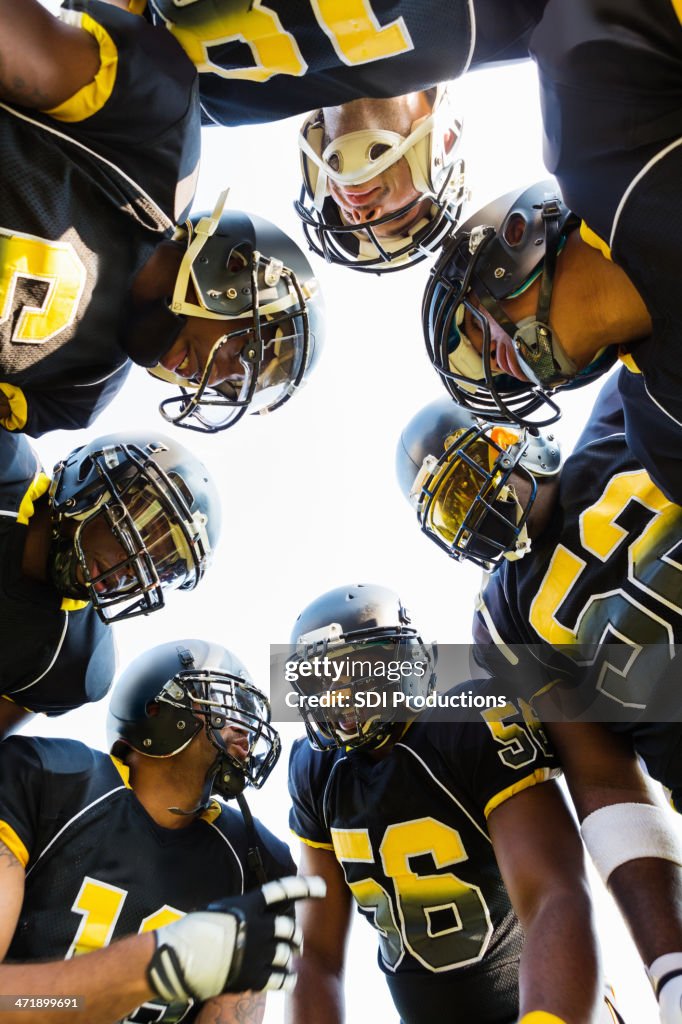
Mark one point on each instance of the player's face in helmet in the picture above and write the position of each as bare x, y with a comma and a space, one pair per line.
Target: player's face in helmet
231, 314
382, 187
389, 197
356, 653
473, 484
237, 739
129, 520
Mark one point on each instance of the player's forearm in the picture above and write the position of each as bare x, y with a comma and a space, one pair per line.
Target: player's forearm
241, 1008
560, 962
108, 983
317, 997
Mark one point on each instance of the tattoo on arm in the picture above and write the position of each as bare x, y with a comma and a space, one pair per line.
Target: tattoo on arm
18, 90
7, 858
244, 1008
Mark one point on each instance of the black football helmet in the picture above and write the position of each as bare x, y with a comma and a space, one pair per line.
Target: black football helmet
354, 158
358, 624
157, 509
457, 472
168, 694
497, 254
239, 268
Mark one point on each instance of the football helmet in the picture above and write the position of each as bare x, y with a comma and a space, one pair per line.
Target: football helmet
132, 515
497, 255
242, 269
168, 694
457, 472
359, 626
352, 159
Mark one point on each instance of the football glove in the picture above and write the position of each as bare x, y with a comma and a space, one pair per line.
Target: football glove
238, 943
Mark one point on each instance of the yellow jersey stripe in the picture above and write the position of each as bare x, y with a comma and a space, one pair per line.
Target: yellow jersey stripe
677, 7
539, 775
18, 407
40, 484
593, 239
309, 842
13, 843
627, 358
72, 604
122, 769
93, 96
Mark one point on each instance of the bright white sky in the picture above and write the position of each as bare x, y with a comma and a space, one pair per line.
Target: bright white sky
309, 497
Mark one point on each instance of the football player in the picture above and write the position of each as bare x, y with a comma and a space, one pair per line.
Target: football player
382, 181
442, 832
115, 855
520, 306
585, 590
99, 135
123, 519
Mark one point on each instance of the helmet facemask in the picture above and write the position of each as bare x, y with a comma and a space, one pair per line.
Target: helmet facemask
359, 663
497, 264
437, 176
220, 699
467, 501
273, 337
158, 542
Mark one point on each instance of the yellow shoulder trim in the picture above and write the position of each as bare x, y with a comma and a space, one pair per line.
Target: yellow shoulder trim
309, 842
72, 604
122, 769
5, 696
593, 239
211, 813
40, 484
677, 7
539, 775
18, 407
137, 6
93, 96
13, 843
626, 357
541, 1017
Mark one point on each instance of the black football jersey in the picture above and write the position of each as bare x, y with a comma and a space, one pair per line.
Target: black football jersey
611, 89
68, 812
262, 62
410, 834
56, 653
598, 599
88, 192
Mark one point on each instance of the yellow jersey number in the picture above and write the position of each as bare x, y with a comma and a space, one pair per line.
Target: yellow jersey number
56, 265
441, 920
617, 616
351, 26
100, 905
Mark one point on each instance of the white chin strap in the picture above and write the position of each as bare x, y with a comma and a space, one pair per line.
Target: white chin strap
423, 148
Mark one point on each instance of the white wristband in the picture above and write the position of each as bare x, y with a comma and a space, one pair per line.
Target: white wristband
619, 833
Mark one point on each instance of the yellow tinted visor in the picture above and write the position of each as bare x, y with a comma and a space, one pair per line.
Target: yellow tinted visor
457, 484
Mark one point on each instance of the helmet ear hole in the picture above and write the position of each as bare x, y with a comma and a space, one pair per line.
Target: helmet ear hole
514, 229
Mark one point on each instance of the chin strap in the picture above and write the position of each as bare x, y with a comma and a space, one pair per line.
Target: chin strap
254, 860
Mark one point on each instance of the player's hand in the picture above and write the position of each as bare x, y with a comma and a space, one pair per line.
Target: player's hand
670, 1001
239, 943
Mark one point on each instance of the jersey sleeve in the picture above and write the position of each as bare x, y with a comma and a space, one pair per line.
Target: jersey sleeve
36, 411
306, 788
20, 796
276, 855
141, 112
504, 753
